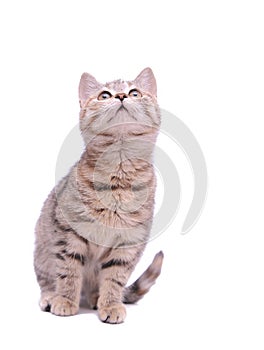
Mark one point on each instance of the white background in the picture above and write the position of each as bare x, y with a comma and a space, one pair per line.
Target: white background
208, 60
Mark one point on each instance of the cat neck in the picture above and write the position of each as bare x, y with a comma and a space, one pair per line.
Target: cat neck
108, 150
118, 164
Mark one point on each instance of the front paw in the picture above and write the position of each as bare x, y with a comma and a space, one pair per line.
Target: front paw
115, 313
62, 306
45, 300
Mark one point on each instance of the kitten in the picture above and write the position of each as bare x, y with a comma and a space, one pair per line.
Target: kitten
96, 222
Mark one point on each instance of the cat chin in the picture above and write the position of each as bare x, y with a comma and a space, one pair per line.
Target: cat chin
123, 117
122, 109
115, 121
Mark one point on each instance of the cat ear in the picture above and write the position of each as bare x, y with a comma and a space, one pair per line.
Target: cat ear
146, 81
88, 86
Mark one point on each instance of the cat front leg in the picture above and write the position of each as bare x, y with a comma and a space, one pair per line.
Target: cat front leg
113, 279
112, 284
70, 261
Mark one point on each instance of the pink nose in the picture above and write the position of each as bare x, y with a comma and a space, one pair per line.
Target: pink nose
121, 96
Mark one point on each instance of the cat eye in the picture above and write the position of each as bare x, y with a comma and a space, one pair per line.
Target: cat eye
104, 95
135, 93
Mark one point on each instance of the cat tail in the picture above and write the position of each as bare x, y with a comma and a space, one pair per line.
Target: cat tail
142, 285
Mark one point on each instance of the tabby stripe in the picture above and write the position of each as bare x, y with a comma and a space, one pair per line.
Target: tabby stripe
116, 282
77, 256
41, 278
100, 187
61, 227
114, 262
84, 240
60, 243
142, 185
134, 288
41, 273
97, 186
65, 229
59, 256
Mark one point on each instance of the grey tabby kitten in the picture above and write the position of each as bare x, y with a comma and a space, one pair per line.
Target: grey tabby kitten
96, 222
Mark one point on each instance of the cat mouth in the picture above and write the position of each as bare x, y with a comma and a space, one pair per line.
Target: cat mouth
122, 109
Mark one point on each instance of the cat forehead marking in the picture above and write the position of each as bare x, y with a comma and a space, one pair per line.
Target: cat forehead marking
118, 85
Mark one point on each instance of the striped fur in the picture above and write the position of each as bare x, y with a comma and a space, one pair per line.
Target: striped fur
96, 222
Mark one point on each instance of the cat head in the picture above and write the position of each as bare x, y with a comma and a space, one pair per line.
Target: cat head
120, 106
